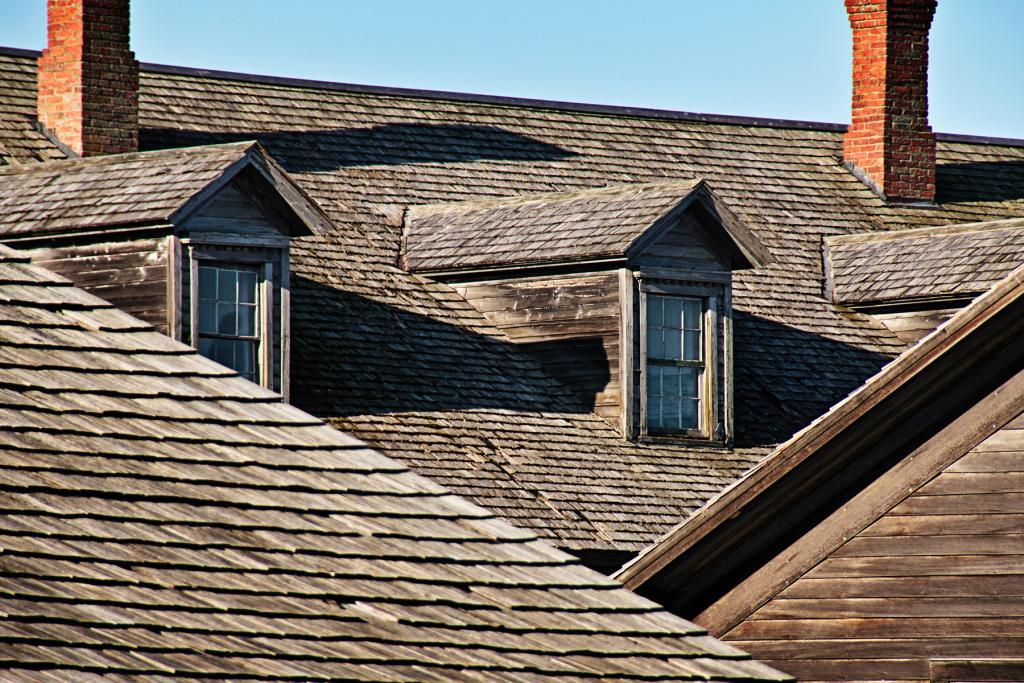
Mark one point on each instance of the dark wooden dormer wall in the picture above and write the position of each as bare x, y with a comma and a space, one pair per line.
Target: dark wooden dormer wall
149, 271
232, 228
582, 321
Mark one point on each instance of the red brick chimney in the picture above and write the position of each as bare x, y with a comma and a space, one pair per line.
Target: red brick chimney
889, 143
89, 78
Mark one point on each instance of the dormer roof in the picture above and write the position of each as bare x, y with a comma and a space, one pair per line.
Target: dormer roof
947, 262
609, 223
138, 189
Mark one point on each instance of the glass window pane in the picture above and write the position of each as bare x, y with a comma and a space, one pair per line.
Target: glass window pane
226, 319
207, 317
223, 352
688, 414
206, 347
688, 382
673, 312
226, 285
691, 314
670, 381
247, 287
673, 344
654, 398
692, 346
246, 320
207, 282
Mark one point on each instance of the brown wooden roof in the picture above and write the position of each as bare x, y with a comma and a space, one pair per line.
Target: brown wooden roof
164, 519
562, 227
758, 525
147, 188
926, 263
409, 366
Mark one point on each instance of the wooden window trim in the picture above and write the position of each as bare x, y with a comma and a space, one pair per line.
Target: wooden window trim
264, 257
711, 296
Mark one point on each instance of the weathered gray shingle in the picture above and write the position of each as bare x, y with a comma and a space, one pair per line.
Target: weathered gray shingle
110, 191
546, 228
958, 260
409, 366
162, 517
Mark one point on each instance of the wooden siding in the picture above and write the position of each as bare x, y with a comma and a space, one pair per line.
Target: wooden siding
911, 326
131, 274
940, 575
571, 323
231, 214
679, 249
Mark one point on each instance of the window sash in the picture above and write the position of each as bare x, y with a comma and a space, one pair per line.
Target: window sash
674, 356
229, 322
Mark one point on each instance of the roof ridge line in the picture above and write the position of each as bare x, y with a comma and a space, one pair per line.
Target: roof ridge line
537, 103
936, 230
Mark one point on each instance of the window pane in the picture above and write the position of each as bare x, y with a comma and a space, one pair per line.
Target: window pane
206, 347
226, 319
207, 317
247, 320
688, 378
226, 285
223, 352
691, 345
691, 314
207, 282
654, 398
655, 327
688, 414
247, 287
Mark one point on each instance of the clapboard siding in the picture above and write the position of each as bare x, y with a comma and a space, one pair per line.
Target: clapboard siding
940, 574
570, 322
911, 326
131, 274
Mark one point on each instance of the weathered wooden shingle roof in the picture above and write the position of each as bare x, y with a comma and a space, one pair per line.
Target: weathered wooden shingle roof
544, 228
146, 188
164, 519
957, 260
410, 366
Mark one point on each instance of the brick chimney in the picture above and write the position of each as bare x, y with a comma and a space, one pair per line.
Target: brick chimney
889, 143
89, 78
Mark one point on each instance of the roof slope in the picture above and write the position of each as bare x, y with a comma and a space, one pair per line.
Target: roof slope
163, 517
545, 228
450, 395
129, 189
952, 260
877, 430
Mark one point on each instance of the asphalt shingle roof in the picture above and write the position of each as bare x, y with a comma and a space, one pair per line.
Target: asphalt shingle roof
163, 519
958, 260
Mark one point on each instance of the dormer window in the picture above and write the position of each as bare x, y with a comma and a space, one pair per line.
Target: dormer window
674, 364
229, 330
623, 293
679, 389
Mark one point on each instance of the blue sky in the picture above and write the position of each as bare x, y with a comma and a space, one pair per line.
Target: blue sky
774, 58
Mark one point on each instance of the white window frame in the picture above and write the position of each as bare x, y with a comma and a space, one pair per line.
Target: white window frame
713, 296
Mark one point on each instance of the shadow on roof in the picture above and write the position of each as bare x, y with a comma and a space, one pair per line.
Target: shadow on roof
799, 375
391, 144
982, 181
353, 355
